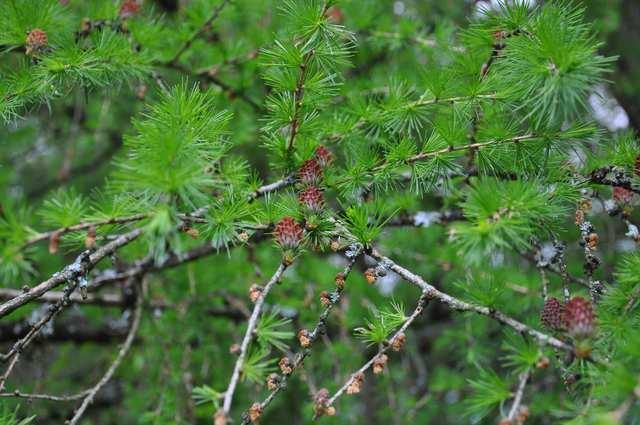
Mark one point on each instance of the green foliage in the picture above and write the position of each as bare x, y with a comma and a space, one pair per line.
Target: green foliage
229, 216
10, 417
258, 365
484, 291
364, 224
270, 331
13, 234
64, 208
461, 145
553, 54
205, 394
508, 214
521, 354
176, 149
382, 323
489, 390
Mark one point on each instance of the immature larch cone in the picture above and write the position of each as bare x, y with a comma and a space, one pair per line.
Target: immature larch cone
285, 365
310, 173
552, 313
579, 318
379, 363
288, 233
36, 41
323, 156
254, 292
311, 198
321, 398
128, 9
370, 275
220, 418
325, 298
622, 195
304, 338
273, 380
255, 412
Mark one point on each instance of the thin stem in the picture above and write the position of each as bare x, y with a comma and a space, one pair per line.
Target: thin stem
71, 397
135, 324
14, 353
272, 187
298, 94
478, 145
83, 226
214, 15
517, 399
248, 336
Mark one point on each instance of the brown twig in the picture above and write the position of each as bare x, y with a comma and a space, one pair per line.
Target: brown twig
14, 353
126, 346
214, 15
83, 226
517, 399
83, 264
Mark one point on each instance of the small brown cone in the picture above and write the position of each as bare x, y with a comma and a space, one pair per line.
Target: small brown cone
335, 246
592, 240
54, 243
370, 275
234, 349
192, 231
273, 380
325, 298
304, 338
379, 363
398, 342
36, 41
254, 292
286, 366
90, 240
255, 411
355, 385
220, 418
543, 362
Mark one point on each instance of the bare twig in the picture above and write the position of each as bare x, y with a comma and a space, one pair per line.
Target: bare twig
214, 15
248, 336
234, 312
272, 187
14, 353
83, 264
478, 145
517, 399
135, 324
48, 397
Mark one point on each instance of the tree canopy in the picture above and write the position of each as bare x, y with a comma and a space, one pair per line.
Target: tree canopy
288, 211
